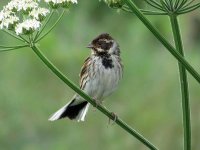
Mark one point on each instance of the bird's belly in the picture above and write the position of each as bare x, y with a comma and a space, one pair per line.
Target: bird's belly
103, 84
109, 81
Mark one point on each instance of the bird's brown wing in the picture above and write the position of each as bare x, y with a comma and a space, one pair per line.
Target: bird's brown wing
84, 73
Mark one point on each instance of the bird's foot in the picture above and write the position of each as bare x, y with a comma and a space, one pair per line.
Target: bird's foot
97, 103
114, 118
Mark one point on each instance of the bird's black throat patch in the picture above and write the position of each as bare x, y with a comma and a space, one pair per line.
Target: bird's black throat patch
106, 60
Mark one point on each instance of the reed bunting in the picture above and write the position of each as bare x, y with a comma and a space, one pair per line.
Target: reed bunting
99, 77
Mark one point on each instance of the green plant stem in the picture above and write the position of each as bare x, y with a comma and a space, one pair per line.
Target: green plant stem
14, 36
23, 38
184, 84
189, 9
13, 48
16, 46
40, 38
156, 33
118, 121
43, 27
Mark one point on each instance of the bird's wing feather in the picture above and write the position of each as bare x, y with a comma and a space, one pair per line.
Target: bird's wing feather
84, 72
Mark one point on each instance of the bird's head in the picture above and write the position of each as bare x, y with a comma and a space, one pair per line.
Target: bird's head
104, 44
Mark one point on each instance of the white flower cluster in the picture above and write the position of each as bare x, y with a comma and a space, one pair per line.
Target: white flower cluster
22, 16
27, 27
9, 22
39, 13
24, 5
26, 16
60, 3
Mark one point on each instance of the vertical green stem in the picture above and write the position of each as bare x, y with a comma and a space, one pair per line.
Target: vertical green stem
184, 84
118, 121
157, 34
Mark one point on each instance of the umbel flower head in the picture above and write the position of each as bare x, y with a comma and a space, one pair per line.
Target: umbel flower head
26, 16
60, 3
21, 5
27, 27
9, 22
22, 16
174, 6
39, 13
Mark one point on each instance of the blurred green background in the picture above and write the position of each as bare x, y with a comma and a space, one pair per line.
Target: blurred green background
148, 97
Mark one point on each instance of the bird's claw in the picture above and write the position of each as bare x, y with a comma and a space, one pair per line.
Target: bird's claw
97, 103
114, 118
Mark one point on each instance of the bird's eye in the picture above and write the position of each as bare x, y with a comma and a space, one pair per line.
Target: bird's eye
100, 43
104, 45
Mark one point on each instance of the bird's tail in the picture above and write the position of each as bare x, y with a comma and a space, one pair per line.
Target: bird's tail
74, 110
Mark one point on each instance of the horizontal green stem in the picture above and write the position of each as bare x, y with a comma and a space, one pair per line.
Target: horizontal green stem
121, 123
16, 46
12, 48
156, 33
183, 83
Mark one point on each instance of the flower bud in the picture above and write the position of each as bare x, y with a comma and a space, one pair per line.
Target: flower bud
53, 4
114, 3
39, 13
27, 27
9, 22
7, 19
60, 3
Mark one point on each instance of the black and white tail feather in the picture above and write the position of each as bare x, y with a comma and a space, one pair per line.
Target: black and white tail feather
74, 110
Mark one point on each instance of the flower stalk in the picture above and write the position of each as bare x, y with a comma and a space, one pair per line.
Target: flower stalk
44, 25
13, 35
173, 9
157, 34
67, 81
183, 83
53, 26
5, 48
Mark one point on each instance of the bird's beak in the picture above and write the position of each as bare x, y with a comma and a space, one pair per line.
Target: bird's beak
90, 46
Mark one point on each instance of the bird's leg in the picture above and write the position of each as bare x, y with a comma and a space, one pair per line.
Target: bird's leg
97, 103
114, 118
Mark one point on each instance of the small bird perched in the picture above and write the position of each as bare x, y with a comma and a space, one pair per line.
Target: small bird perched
99, 77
